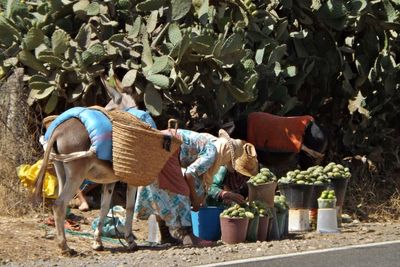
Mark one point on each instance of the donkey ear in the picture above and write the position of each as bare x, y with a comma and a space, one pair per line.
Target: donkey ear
113, 93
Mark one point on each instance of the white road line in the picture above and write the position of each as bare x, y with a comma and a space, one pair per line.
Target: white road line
265, 258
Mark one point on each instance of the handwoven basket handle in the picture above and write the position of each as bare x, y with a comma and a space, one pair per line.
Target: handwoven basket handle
171, 122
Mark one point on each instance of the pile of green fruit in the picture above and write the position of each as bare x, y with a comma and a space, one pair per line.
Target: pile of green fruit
312, 176
280, 204
327, 199
260, 208
328, 194
334, 170
263, 177
238, 211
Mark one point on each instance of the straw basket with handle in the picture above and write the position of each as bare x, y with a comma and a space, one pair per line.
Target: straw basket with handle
139, 151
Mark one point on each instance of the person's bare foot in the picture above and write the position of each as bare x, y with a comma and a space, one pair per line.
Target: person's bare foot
192, 240
84, 206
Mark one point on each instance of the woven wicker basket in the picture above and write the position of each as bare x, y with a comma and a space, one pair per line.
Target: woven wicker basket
139, 151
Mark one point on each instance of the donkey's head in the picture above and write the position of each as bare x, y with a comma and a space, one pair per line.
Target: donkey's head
119, 99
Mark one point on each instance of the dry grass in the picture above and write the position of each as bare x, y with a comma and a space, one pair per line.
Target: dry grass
19, 133
372, 195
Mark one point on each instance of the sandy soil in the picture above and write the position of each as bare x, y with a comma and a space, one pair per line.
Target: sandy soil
26, 241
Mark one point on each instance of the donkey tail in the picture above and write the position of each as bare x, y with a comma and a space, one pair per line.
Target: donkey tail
41, 174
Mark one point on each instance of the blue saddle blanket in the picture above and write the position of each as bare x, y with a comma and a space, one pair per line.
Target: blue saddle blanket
98, 126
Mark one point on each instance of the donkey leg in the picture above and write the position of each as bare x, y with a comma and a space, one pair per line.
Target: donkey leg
60, 175
105, 206
60, 210
130, 205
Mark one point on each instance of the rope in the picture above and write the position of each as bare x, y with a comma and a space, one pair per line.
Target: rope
72, 156
116, 229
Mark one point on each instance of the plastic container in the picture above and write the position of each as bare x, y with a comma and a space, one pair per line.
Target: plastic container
327, 221
299, 220
327, 203
233, 230
252, 230
340, 187
206, 223
154, 235
263, 192
298, 196
316, 193
281, 220
273, 227
263, 223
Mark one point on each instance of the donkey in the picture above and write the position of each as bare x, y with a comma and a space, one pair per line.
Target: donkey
70, 144
282, 143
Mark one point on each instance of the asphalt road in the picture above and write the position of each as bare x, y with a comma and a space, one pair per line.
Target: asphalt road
370, 255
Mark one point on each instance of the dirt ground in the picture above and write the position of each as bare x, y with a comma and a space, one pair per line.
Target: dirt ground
28, 241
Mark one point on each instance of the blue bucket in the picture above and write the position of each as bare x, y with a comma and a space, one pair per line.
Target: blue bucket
206, 224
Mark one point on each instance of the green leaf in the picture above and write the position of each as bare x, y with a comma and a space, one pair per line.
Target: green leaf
277, 54
161, 64
180, 8
152, 100
33, 38
129, 78
391, 12
290, 71
159, 80
147, 58
41, 90
259, 55
133, 33
232, 44
174, 34
93, 9
59, 42
28, 59
152, 21
51, 103
149, 5
55, 61
83, 36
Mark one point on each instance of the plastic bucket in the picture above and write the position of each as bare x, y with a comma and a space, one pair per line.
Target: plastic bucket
263, 223
340, 186
263, 192
298, 196
327, 221
234, 230
273, 227
206, 223
252, 230
281, 219
316, 193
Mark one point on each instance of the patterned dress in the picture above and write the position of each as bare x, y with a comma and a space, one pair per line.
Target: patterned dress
197, 155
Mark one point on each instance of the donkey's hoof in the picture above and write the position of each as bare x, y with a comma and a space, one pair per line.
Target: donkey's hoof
69, 252
97, 247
